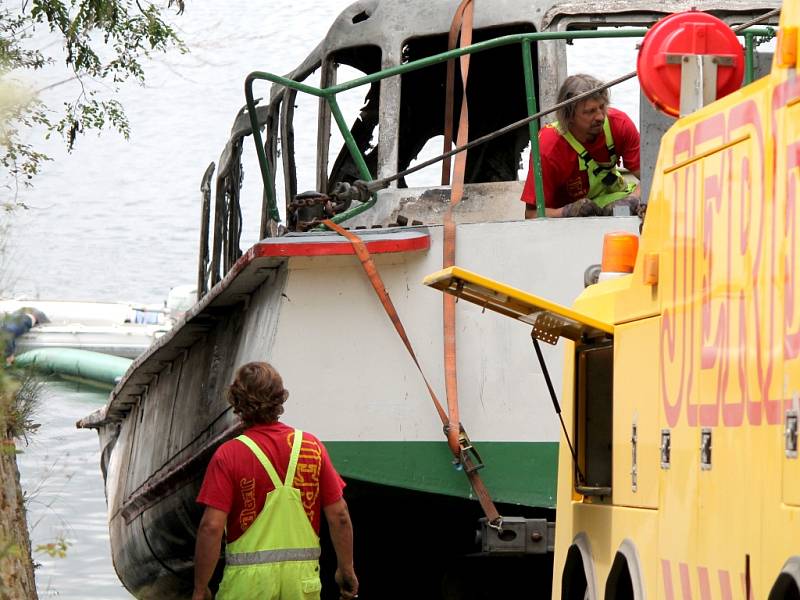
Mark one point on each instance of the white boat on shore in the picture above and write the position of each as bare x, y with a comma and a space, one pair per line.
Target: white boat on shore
117, 328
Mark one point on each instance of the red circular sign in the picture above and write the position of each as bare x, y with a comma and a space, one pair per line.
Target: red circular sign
683, 34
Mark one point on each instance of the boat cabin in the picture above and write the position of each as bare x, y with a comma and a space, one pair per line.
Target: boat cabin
397, 121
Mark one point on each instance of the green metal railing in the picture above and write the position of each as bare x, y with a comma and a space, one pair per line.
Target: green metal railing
753, 37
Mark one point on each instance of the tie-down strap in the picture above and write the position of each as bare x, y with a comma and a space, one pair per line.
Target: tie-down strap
459, 443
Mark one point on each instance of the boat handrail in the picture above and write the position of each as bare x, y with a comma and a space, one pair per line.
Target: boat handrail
753, 37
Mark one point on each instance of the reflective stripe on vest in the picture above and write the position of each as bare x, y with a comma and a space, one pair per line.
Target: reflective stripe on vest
600, 192
271, 556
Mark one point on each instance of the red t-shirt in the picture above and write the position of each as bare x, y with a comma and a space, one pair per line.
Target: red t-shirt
562, 180
236, 482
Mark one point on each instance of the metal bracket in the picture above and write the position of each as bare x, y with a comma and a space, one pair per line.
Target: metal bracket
634, 467
790, 434
518, 536
470, 459
666, 448
705, 449
698, 78
547, 328
676, 59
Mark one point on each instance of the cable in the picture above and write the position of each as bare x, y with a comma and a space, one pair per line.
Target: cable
557, 407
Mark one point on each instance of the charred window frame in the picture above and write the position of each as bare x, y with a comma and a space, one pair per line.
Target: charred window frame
366, 59
496, 96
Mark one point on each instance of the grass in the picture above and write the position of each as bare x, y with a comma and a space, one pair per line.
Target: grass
20, 394
19, 400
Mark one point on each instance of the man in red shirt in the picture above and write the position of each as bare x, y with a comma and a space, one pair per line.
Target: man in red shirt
580, 153
265, 490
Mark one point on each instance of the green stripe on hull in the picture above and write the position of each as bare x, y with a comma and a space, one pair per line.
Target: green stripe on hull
515, 472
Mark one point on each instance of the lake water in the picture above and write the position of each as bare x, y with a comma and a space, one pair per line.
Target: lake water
118, 220
61, 477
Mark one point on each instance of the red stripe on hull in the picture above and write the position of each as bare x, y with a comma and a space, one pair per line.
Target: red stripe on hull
342, 247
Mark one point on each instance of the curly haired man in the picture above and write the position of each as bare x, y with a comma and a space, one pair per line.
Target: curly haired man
265, 491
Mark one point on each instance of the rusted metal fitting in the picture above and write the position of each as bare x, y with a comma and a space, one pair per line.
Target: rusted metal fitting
358, 190
469, 455
328, 207
496, 524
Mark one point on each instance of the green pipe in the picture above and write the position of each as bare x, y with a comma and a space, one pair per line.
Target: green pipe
263, 162
748, 58
361, 164
291, 83
479, 47
349, 141
494, 43
533, 126
93, 367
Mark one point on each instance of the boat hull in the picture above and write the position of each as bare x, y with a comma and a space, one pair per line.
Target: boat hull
315, 316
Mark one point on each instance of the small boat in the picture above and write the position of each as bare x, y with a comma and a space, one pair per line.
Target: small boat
299, 299
63, 312
116, 328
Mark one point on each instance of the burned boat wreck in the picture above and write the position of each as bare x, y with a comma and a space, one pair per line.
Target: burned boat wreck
299, 299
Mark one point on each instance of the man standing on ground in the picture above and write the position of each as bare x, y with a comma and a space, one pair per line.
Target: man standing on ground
579, 155
265, 490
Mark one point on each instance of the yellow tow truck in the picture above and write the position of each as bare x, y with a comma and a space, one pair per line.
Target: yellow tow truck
679, 475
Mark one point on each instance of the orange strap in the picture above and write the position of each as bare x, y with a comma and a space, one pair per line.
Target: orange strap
461, 449
463, 11
462, 22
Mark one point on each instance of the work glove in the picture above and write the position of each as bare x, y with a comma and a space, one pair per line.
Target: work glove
580, 208
630, 202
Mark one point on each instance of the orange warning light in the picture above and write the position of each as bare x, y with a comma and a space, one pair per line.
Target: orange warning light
619, 252
787, 47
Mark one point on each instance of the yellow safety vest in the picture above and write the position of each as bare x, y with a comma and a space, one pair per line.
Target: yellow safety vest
606, 183
277, 557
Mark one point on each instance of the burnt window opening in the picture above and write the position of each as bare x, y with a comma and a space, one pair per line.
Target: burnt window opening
363, 128
496, 97
362, 16
594, 393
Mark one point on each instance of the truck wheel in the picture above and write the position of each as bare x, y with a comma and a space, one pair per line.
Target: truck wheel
577, 579
787, 585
